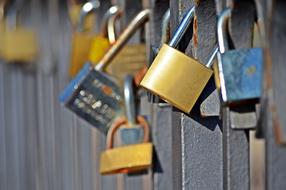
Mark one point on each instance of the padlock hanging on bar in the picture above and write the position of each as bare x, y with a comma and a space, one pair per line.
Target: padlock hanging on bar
92, 94
128, 158
240, 71
131, 133
175, 77
87, 46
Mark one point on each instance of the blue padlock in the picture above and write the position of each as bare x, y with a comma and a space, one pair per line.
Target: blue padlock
132, 133
240, 71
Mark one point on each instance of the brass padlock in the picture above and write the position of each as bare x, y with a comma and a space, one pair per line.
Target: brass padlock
126, 159
92, 94
131, 60
18, 44
101, 42
131, 133
175, 77
240, 71
81, 40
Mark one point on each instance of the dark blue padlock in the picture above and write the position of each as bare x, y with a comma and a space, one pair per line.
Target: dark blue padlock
240, 70
132, 133
92, 94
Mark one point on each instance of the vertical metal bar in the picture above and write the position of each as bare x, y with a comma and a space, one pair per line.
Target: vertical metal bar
201, 138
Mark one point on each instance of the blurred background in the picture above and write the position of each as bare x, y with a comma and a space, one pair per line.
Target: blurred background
44, 146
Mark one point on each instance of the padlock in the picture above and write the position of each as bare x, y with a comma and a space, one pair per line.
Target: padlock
240, 71
18, 44
92, 94
129, 158
131, 60
101, 42
81, 40
131, 133
175, 77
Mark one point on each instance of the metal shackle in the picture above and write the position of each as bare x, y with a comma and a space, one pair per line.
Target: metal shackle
120, 122
165, 27
222, 24
130, 99
107, 27
140, 19
87, 8
183, 27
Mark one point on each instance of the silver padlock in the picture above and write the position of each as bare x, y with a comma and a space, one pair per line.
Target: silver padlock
92, 94
131, 133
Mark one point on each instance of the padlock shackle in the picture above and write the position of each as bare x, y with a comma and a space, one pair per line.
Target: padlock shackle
212, 57
222, 25
107, 27
140, 19
182, 28
129, 97
87, 8
123, 121
165, 27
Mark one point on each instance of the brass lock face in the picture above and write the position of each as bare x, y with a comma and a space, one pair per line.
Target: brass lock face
130, 60
240, 71
176, 78
19, 45
81, 43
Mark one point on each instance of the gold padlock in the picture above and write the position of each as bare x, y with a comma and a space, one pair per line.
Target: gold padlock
101, 43
131, 60
18, 44
175, 77
81, 40
84, 43
126, 159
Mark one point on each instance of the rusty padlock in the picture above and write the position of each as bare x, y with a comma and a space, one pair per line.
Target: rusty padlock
240, 71
175, 77
18, 44
95, 96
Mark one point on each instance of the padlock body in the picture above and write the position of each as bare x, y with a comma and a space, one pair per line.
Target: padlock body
241, 72
81, 43
18, 45
130, 60
98, 48
126, 159
176, 78
131, 135
94, 97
